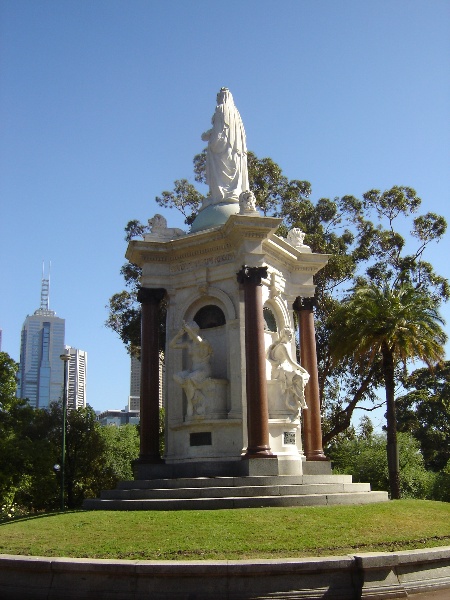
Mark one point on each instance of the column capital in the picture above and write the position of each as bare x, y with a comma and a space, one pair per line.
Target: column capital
150, 294
251, 274
304, 303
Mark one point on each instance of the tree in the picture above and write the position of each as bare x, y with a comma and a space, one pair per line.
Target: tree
362, 454
424, 411
361, 237
84, 450
8, 382
26, 454
120, 448
30, 444
397, 324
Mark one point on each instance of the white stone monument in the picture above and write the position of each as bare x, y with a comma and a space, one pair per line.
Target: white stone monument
205, 358
236, 397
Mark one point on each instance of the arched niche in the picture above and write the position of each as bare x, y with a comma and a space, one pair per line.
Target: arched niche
270, 322
210, 316
195, 302
212, 313
276, 318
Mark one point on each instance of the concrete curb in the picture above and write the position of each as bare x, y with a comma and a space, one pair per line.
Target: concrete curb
371, 576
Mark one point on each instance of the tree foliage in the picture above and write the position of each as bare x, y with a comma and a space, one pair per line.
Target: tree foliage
425, 412
362, 454
31, 444
396, 324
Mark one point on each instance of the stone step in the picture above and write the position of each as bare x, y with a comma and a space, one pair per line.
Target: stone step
231, 502
237, 491
202, 482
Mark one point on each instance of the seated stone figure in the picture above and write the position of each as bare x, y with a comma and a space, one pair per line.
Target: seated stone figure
292, 376
193, 381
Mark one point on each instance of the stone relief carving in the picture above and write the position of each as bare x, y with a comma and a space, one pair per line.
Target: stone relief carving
274, 291
296, 238
292, 376
196, 382
226, 157
160, 231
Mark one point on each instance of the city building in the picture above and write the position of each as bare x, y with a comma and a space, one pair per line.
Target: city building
135, 384
76, 392
118, 417
41, 371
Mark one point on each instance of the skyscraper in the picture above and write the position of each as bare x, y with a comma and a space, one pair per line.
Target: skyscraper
77, 378
41, 373
134, 401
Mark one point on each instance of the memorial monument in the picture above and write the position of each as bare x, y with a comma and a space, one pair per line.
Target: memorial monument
236, 398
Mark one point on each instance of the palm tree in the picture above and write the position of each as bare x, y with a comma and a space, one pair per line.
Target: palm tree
397, 324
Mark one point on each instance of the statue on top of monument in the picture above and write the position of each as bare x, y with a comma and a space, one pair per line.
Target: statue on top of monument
226, 157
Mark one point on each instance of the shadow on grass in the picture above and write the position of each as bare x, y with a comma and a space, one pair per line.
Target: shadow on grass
43, 515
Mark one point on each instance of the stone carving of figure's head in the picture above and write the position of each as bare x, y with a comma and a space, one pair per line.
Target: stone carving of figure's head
285, 335
194, 326
224, 96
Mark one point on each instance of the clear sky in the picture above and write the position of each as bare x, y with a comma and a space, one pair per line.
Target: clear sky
102, 104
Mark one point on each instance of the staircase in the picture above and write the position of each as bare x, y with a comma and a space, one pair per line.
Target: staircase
203, 493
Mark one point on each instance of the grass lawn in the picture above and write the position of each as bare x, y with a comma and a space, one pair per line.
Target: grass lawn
231, 534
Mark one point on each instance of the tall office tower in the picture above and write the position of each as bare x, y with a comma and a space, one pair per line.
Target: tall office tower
76, 388
41, 373
134, 402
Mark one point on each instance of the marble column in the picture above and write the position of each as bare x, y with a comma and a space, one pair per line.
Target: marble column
150, 299
312, 426
255, 360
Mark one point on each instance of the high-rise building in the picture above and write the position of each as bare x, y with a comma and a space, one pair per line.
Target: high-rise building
134, 401
41, 372
76, 392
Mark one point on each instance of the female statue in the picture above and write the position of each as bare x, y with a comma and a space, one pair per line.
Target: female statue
292, 376
226, 158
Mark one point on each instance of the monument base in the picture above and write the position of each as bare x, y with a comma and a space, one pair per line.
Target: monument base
246, 467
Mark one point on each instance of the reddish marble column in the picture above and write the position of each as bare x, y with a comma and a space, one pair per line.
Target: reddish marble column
255, 360
312, 426
149, 410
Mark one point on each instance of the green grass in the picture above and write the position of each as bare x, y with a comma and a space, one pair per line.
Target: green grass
231, 534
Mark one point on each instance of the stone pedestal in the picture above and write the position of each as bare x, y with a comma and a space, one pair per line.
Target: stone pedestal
198, 272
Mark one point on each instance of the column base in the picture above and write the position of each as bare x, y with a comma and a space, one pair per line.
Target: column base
259, 452
317, 455
144, 463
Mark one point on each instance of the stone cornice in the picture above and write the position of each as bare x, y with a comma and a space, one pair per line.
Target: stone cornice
220, 245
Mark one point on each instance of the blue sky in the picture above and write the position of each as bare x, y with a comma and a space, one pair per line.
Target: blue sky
102, 104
